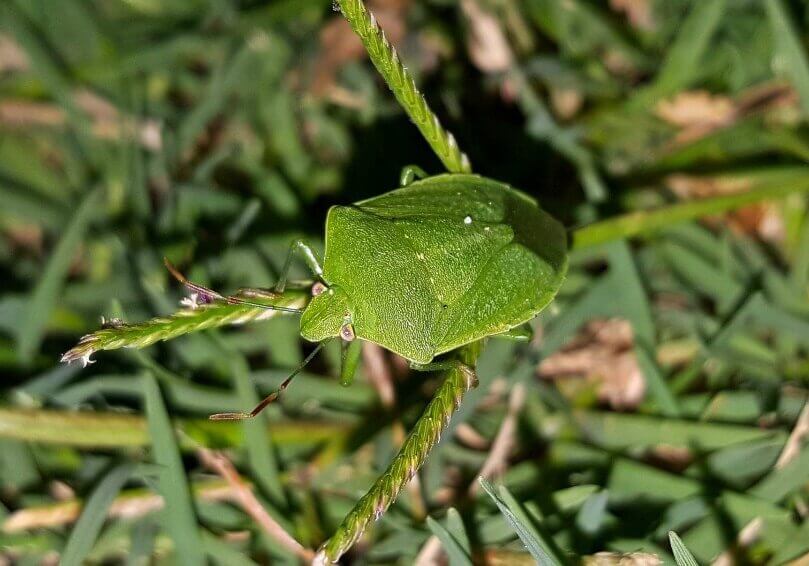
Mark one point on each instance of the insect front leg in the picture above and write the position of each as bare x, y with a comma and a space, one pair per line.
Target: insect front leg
410, 173
350, 361
298, 246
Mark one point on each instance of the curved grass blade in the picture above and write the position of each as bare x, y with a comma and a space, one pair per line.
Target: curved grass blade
258, 442
685, 56
178, 517
789, 46
517, 517
681, 554
84, 534
650, 221
43, 300
142, 544
458, 556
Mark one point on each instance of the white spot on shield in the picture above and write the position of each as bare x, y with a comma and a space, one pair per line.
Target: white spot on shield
467, 220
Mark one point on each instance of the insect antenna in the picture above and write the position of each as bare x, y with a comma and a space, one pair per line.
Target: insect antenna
209, 294
272, 396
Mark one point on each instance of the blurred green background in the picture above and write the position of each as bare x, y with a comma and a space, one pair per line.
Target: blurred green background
665, 388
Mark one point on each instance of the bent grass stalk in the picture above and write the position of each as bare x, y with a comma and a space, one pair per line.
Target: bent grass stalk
387, 62
425, 434
201, 317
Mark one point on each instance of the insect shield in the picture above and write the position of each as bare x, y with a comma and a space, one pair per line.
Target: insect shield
433, 266
423, 270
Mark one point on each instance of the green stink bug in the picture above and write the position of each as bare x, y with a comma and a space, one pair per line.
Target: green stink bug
426, 269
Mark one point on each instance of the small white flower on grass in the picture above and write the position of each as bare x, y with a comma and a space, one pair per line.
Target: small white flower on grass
86, 361
191, 301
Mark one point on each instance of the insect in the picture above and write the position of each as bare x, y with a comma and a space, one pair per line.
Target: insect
423, 270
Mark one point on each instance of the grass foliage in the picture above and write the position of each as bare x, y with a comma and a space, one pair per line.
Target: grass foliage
669, 136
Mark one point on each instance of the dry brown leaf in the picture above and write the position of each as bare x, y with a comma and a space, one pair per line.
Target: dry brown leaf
12, 56
500, 557
487, 44
468, 436
619, 559
60, 491
800, 561
746, 537
431, 554
699, 113
763, 219
638, 12
618, 64
672, 458
694, 187
60, 514
25, 237
566, 102
106, 121
696, 113
603, 353
20, 113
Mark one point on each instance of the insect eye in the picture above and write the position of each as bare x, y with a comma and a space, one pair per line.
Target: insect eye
318, 288
347, 332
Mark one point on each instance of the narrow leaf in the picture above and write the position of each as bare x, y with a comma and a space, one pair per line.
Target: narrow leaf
178, 515
85, 533
790, 53
456, 553
681, 554
517, 517
46, 293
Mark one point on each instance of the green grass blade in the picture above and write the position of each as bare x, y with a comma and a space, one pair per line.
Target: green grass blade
517, 517
259, 445
681, 554
455, 527
458, 556
650, 221
783, 481
685, 56
789, 50
224, 554
46, 293
178, 516
142, 537
92, 518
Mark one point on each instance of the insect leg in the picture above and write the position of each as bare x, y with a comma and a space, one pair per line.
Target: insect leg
350, 361
308, 256
257, 293
271, 397
434, 366
206, 295
410, 173
522, 333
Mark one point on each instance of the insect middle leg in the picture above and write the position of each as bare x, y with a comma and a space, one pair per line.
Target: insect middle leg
522, 333
298, 246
